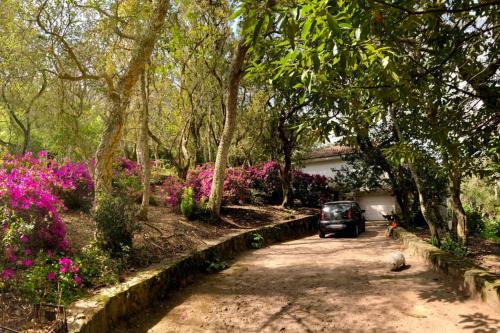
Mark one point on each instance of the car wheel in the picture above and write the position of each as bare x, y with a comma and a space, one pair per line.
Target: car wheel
355, 231
321, 234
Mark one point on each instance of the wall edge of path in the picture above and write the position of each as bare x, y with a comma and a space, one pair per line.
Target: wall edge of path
472, 279
98, 313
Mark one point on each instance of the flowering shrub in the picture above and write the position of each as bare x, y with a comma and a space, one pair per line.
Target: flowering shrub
26, 188
51, 279
200, 180
237, 183
241, 185
171, 189
127, 176
266, 180
311, 190
79, 192
32, 234
127, 167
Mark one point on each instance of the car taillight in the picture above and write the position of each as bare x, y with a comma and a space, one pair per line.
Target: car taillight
348, 214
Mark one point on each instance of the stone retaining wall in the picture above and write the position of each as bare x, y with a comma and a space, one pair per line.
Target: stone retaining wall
97, 314
474, 280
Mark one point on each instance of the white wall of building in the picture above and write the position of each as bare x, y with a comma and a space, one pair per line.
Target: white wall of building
375, 204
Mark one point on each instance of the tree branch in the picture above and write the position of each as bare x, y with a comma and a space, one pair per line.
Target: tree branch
438, 10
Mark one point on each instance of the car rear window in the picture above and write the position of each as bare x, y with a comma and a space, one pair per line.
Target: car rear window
336, 211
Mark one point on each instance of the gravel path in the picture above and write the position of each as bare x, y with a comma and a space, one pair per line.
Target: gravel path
335, 284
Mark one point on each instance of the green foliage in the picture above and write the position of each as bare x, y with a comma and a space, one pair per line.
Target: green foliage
115, 225
449, 244
214, 263
256, 240
479, 195
188, 204
97, 268
36, 286
216, 266
475, 223
491, 230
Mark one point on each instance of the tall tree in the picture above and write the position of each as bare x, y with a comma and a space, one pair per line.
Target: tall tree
215, 199
118, 84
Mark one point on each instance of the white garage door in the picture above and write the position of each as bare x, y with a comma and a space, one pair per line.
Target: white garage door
376, 205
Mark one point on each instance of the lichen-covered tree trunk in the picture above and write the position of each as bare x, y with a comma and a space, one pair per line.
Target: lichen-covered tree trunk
235, 76
118, 99
286, 169
426, 208
286, 179
144, 148
460, 219
104, 155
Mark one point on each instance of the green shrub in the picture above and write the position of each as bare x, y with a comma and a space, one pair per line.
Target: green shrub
115, 225
256, 240
97, 268
491, 230
216, 266
37, 284
475, 222
449, 244
188, 204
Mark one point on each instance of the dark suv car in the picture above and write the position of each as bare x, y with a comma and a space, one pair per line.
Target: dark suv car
341, 216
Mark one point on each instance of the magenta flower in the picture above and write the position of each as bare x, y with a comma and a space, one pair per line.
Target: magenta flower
51, 276
65, 262
27, 262
7, 273
78, 279
24, 238
28, 251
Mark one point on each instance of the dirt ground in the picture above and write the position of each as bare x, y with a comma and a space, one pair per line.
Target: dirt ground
336, 284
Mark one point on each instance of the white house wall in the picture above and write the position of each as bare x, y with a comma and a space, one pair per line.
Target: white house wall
375, 204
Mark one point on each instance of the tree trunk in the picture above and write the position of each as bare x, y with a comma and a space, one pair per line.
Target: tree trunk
425, 203
426, 206
286, 179
454, 182
286, 169
119, 99
236, 74
104, 155
401, 192
144, 148
26, 138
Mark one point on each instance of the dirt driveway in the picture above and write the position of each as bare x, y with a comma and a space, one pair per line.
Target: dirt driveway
319, 285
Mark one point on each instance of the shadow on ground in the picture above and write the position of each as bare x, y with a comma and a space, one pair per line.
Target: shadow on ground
336, 284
